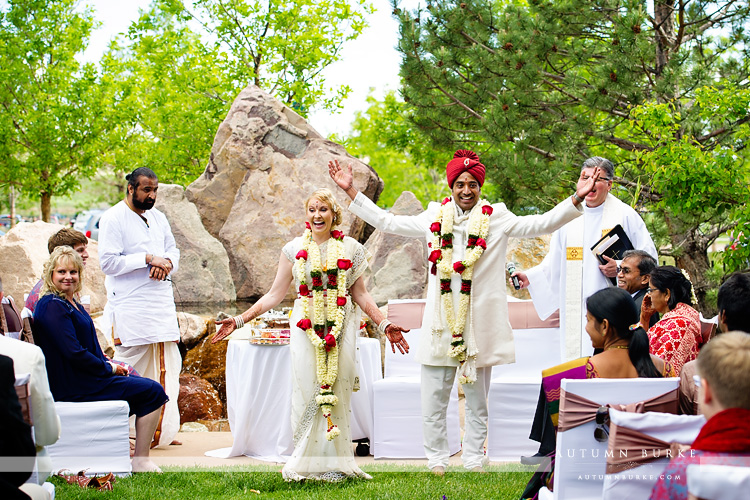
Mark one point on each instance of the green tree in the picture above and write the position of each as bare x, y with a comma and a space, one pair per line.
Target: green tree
383, 137
52, 123
180, 66
541, 85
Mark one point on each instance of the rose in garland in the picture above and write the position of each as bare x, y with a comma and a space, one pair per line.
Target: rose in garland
330, 341
340, 301
459, 267
487, 210
304, 324
304, 290
344, 264
302, 254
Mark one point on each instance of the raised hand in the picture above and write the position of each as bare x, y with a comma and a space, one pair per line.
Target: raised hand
394, 333
589, 184
227, 327
647, 309
343, 177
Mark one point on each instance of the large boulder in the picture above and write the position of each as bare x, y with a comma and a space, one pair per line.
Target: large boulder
193, 328
198, 400
23, 252
265, 161
399, 266
203, 274
208, 361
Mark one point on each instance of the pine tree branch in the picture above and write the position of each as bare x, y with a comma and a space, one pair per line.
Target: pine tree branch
710, 21
445, 92
722, 130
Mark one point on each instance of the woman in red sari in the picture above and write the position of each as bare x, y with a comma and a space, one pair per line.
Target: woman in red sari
676, 338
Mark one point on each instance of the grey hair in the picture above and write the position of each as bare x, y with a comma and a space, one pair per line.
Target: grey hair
603, 163
646, 263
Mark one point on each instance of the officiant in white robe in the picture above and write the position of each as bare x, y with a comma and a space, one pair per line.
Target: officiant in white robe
570, 272
486, 330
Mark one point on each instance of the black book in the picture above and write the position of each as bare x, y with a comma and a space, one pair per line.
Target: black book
614, 244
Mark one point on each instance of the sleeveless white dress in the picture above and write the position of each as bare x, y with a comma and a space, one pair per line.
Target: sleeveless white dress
315, 457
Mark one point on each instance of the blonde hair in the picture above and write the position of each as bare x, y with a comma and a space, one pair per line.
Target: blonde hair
61, 255
326, 196
725, 363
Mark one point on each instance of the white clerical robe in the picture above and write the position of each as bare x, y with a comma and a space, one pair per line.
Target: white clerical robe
489, 306
141, 310
548, 280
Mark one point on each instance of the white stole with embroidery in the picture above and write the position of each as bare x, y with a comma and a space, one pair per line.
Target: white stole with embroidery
574, 300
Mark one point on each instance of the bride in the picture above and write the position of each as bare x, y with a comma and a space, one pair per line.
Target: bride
327, 269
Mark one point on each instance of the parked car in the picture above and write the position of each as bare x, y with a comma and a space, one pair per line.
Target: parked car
87, 222
5, 220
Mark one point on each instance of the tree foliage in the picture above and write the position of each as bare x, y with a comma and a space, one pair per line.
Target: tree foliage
51, 125
383, 137
180, 66
538, 87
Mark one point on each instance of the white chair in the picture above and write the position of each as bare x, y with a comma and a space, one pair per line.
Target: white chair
718, 482
397, 399
634, 438
514, 388
94, 438
580, 458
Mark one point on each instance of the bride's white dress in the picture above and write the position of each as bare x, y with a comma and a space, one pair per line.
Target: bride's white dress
315, 457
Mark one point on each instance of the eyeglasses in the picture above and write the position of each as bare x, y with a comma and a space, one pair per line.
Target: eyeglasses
697, 381
601, 433
651, 290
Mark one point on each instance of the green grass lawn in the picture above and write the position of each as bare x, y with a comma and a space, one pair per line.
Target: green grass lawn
389, 482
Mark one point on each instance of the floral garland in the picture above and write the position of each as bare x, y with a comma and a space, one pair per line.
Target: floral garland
443, 266
323, 331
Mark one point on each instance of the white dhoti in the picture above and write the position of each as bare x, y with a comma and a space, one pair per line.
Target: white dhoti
160, 362
437, 382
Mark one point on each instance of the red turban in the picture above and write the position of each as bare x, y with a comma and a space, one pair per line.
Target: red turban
465, 161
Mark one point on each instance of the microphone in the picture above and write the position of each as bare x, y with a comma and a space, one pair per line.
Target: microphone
512, 269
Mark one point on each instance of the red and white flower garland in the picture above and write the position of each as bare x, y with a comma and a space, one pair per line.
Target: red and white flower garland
323, 332
463, 346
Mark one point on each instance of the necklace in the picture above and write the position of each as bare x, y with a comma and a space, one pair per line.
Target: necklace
463, 349
324, 332
616, 347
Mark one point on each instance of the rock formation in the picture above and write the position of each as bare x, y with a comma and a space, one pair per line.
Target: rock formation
23, 252
264, 163
525, 253
398, 269
208, 361
203, 274
198, 400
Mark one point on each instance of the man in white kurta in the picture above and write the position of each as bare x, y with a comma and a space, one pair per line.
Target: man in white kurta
137, 252
570, 273
487, 318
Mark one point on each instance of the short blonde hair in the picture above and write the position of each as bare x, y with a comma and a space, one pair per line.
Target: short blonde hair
326, 196
725, 363
61, 255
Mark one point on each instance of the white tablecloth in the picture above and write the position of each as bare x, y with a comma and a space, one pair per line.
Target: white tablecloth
259, 395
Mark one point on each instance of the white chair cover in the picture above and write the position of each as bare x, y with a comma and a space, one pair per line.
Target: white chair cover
580, 459
718, 482
94, 436
639, 481
514, 389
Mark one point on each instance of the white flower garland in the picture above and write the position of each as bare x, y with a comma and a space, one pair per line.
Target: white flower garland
463, 349
324, 333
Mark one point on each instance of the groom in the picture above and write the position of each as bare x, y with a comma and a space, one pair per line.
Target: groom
465, 328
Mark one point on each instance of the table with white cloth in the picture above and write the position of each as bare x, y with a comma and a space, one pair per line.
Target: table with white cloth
259, 398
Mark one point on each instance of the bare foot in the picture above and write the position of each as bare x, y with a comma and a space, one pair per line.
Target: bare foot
175, 443
438, 470
144, 464
478, 468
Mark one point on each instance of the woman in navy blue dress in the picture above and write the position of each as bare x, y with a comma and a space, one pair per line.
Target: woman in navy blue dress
76, 366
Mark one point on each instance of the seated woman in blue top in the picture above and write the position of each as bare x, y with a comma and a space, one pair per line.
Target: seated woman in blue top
76, 366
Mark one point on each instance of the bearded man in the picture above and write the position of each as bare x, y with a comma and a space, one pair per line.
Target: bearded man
137, 252
465, 328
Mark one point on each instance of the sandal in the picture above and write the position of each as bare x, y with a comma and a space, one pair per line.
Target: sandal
101, 483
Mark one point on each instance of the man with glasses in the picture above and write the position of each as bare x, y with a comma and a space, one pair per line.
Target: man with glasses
633, 274
570, 273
